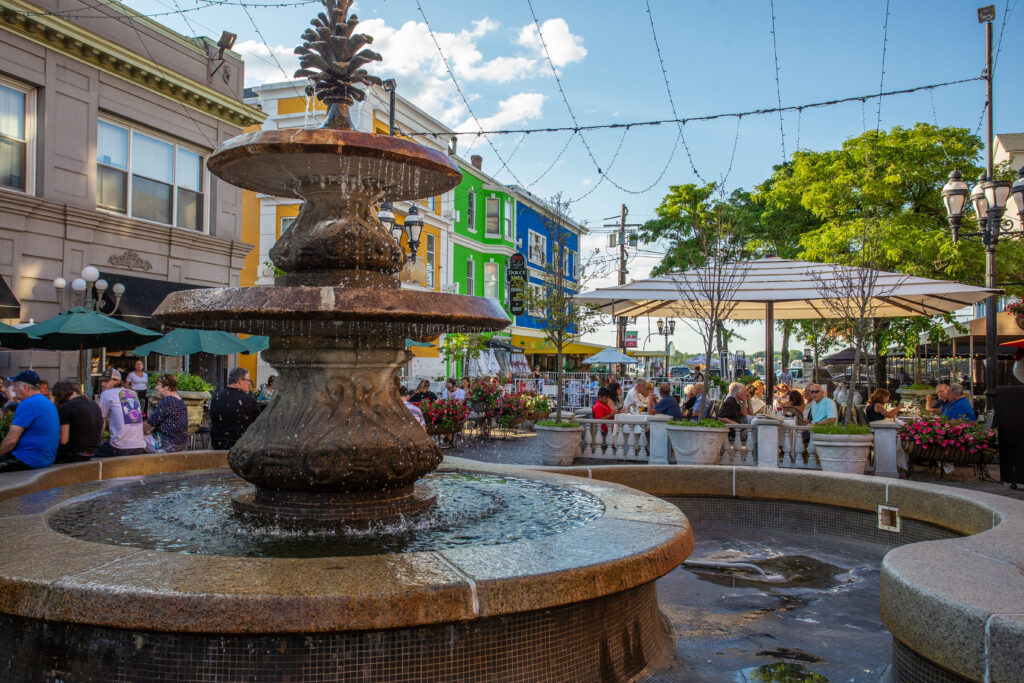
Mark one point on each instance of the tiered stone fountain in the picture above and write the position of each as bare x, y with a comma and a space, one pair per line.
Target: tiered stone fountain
200, 576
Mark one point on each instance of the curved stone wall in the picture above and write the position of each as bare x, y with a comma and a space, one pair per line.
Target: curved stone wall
957, 603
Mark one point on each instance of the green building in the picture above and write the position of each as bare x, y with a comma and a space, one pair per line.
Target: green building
483, 234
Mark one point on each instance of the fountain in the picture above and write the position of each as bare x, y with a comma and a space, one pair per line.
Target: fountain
340, 553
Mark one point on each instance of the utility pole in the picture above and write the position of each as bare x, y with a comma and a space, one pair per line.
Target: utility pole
621, 339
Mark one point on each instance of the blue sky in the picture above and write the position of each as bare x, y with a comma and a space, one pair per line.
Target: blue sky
719, 59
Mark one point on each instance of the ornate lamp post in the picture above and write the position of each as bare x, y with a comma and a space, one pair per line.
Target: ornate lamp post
412, 228
87, 291
989, 198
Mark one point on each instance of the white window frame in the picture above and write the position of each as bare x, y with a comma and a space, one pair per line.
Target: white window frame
537, 292
30, 134
204, 175
430, 258
487, 217
507, 222
542, 241
492, 265
470, 277
471, 211
286, 222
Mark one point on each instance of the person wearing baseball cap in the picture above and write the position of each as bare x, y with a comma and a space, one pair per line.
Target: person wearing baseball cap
32, 440
122, 410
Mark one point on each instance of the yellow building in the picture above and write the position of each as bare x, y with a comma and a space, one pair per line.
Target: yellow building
264, 217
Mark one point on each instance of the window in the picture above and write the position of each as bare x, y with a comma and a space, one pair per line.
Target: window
536, 295
470, 282
149, 178
508, 219
430, 260
16, 137
471, 211
538, 247
492, 221
491, 280
430, 203
286, 222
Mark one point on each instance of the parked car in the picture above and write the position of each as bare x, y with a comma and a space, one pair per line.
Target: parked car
679, 372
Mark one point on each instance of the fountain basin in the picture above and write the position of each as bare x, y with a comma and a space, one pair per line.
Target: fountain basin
463, 610
331, 311
276, 162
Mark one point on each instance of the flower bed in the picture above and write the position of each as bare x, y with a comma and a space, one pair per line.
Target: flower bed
512, 409
483, 395
444, 416
938, 439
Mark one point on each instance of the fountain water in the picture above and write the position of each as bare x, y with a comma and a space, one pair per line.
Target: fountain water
542, 577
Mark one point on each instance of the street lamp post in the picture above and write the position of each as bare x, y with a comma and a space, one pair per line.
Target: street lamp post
82, 295
390, 86
989, 198
666, 328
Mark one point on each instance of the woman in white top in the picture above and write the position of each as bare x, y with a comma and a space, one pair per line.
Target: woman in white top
639, 395
756, 404
138, 379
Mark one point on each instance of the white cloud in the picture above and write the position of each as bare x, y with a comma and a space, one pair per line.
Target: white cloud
517, 109
564, 47
260, 66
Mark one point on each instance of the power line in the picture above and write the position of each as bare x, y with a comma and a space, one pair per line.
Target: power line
710, 117
881, 79
668, 90
465, 100
270, 50
778, 86
74, 13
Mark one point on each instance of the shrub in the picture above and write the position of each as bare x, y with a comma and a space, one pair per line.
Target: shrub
841, 429
917, 386
556, 423
445, 413
699, 423
938, 432
186, 382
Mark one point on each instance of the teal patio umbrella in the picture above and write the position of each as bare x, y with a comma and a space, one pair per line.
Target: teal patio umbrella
14, 338
78, 329
185, 342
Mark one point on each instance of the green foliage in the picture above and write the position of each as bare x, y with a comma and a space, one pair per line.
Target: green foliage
841, 429
458, 347
186, 382
5, 423
699, 423
917, 386
556, 423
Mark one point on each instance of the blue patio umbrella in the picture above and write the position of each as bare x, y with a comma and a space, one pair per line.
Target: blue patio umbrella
609, 357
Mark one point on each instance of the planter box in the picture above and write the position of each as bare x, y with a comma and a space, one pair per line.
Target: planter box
559, 445
697, 445
846, 453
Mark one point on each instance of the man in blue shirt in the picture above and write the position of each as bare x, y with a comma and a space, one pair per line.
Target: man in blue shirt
35, 431
667, 405
700, 404
957, 406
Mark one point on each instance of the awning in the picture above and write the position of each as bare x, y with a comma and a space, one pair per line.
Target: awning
141, 297
539, 345
10, 307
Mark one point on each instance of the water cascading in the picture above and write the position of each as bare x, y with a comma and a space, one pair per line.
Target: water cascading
336, 442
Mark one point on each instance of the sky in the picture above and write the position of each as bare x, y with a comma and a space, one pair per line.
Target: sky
719, 57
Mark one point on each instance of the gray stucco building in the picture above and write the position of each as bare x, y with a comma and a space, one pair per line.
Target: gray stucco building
106, 121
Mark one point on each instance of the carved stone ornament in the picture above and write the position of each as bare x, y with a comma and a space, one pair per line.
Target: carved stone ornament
131, 260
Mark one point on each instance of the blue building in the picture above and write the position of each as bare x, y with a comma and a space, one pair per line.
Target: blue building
535, 237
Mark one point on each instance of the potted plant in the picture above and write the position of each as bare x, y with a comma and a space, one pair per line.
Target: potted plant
697, 443
192, 389
482, 396
559, 441
540, 406
937, 439
444, 416
511, 410
843, 448
1016, 309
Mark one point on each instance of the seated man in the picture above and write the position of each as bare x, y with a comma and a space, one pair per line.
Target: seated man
699, 409
123, 412
731, 411
821, 409
667, 405
958, 407
32, 440
232, 410
936, 405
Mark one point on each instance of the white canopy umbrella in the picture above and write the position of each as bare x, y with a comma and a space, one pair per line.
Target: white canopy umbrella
775, 288
609, 357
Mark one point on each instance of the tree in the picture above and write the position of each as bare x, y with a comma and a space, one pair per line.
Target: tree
706, 292
819, 335
562, 318
460, 348
853, 294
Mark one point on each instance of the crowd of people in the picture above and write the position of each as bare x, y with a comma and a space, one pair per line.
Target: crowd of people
65, 426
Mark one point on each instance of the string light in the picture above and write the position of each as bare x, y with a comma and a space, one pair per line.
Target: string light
881, 79
778, 86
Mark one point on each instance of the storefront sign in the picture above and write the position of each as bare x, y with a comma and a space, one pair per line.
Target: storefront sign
630, 339
517, 276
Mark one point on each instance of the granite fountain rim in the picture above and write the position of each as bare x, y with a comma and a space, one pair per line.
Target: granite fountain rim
50, 576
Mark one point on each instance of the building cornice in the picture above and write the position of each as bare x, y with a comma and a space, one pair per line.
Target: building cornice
27, 21
131, 230
482, 247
